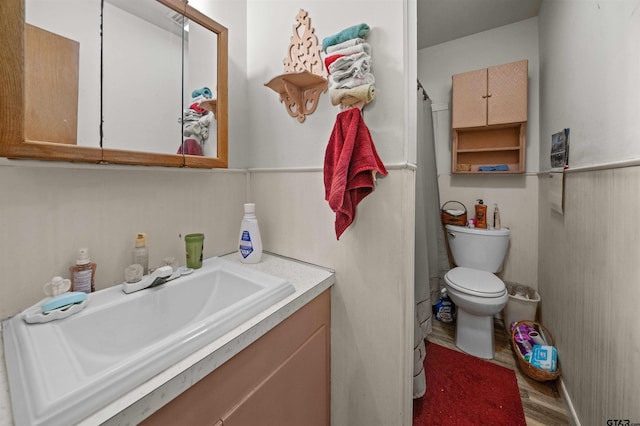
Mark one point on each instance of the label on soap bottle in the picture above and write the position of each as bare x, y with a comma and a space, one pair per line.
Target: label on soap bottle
82, 280
246, 246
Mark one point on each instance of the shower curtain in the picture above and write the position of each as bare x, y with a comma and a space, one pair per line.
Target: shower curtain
427, 238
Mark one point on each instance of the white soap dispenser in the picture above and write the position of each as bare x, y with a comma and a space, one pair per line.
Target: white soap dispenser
250, 243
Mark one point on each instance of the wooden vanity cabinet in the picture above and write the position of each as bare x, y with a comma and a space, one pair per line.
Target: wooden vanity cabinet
489, 116
281, 379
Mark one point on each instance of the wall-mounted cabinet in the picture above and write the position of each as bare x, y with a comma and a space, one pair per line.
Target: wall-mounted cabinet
489, 119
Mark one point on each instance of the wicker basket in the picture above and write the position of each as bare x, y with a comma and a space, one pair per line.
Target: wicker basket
534, 372
449, 219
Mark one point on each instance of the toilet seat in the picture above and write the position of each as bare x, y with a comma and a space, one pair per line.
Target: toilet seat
475, 282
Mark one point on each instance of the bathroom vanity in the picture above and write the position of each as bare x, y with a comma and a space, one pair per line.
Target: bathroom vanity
275, 364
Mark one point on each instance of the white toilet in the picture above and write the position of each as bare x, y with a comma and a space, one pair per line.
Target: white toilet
473, 287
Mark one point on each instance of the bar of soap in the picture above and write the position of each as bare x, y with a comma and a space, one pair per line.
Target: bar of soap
64, 299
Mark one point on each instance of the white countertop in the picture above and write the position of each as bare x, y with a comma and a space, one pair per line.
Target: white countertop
309, 281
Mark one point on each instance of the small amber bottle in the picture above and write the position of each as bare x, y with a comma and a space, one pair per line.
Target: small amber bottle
83, 273
481, 215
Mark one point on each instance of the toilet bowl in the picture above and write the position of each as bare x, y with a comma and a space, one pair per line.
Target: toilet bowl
478, 295
473, 287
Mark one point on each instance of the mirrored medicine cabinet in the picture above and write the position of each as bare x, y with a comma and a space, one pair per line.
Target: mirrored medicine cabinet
115, 81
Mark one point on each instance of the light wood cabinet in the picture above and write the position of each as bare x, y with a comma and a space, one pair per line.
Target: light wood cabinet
281, 379
489, 116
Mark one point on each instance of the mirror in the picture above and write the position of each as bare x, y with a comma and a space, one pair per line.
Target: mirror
65, 109
154, 67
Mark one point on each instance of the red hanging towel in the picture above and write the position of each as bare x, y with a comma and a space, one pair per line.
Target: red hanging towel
349, 163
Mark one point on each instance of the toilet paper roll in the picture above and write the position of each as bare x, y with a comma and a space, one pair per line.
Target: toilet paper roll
537, 338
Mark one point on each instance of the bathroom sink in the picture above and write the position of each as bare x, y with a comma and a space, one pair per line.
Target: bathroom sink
64, 370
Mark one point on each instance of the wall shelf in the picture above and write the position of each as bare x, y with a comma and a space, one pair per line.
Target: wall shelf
301, 84
210, 105
489, 146
299, 92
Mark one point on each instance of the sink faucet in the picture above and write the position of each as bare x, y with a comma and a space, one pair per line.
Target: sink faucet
156, 278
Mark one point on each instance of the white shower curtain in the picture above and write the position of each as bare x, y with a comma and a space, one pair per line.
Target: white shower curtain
427, 238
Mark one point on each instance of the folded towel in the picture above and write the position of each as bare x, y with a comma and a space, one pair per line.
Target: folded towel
351, 82
498, 168
345, 62
357, 67
350, 164
357, 48
196, 125
196, 107
357, 31
344, 44
346, 97
331, 59
205, 91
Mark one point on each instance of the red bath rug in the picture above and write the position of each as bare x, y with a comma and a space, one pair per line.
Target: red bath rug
465, 390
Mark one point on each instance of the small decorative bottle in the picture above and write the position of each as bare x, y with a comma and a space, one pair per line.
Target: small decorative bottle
140, 254
250, 243
83, 273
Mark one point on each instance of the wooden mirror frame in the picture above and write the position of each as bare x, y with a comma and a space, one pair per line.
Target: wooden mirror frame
12, 129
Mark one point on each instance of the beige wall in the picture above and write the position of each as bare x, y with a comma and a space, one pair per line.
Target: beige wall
372, 335
588, 258
517, 199
50, 210
372, 327
590, 288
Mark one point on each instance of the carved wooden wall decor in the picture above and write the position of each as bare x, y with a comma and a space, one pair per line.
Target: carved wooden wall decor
302, 83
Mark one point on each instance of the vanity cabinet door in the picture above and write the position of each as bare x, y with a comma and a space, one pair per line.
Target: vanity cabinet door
491, 96
283, 378
294, 394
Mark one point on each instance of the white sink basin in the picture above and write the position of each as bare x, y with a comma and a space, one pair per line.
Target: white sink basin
62, 371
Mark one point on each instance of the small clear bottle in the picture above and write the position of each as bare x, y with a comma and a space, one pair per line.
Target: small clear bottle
496, 217
140, 254
83, 273
250, 243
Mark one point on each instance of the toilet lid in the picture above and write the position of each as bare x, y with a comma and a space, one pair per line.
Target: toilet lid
475, 281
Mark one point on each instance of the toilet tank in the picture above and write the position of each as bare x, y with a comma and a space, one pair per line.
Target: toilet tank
476, 248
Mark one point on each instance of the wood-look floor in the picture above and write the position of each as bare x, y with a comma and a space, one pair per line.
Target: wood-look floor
542, 402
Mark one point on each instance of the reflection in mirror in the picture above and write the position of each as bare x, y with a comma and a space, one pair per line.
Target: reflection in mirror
153, 101
61, 118
62, 72
142, 79
200, 91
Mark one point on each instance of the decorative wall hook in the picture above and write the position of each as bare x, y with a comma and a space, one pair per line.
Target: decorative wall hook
302, 83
